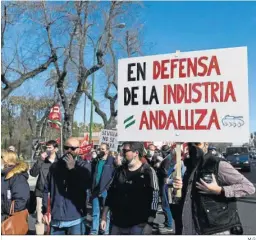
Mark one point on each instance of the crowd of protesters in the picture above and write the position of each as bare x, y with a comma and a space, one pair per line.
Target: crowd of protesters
125, 190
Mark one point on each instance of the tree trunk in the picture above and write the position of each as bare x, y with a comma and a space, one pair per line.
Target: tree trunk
67, 125
111, 124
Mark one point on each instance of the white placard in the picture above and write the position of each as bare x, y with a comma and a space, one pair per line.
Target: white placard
199, 96
109, 137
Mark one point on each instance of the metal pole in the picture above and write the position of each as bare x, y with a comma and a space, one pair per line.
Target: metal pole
84, 110
178, 165
61, 141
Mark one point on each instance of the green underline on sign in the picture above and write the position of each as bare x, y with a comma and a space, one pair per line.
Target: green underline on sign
130, 124
128, 119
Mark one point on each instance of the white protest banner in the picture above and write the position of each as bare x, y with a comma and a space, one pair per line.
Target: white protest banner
109, 137
184, 97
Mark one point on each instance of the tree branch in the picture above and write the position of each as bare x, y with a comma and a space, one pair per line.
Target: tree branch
97, 108
4, 26
30, 125
13, 85
4, 81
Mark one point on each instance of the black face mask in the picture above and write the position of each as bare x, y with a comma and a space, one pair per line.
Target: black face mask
195, 157
101, 154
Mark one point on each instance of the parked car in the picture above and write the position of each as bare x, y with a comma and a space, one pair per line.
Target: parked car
253, 155
239, 158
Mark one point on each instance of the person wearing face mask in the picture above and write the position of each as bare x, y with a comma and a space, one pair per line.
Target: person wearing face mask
66, 185
210, 188
102, 174
133, 195
94, 155
151, 155
41, 169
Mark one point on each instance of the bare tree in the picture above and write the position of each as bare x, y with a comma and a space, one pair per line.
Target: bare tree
15, 70
130, 46
82, 19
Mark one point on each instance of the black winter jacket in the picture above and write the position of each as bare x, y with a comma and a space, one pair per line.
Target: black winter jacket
40, 169
14, 186
67, 190
133, 201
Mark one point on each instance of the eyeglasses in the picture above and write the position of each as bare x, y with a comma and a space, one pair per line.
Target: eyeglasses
126, 150
70, 147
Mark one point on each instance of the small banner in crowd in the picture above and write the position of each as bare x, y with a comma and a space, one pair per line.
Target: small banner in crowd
109, 137
54, 117
85, 149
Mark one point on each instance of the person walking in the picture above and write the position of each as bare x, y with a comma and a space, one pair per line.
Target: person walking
133, 195
41, 169
67, 183
102, 172
209, 191
14, 184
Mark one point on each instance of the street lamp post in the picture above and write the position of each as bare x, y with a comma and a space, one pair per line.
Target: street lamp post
120, 25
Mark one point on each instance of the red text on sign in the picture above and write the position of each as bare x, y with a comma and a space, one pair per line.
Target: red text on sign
186, 67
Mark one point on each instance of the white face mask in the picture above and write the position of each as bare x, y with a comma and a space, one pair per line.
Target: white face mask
94, 155
152, 153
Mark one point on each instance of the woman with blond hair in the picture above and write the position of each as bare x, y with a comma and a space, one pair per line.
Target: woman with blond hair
14, 184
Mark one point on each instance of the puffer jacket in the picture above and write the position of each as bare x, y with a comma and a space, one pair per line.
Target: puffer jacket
14, 187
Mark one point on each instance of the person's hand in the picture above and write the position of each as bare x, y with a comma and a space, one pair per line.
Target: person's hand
147, 230
103, 224
47, 218
43, 156
209, 188
70, 162
177, 183
157, 165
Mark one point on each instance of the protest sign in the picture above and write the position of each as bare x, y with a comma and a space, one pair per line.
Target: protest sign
184, 97
109, 137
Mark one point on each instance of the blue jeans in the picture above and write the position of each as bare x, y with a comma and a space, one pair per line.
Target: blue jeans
166, 206
97, 204
78, 229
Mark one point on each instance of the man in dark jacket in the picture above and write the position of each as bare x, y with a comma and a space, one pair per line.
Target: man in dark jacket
67, 183
41, 169
209, 192
163, 174
102, 172
14, 187
133, 195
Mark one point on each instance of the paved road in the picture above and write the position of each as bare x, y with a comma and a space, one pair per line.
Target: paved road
246, 208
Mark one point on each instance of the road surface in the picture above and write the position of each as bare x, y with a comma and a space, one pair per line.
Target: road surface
246, 208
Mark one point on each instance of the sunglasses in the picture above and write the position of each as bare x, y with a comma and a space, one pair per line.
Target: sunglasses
69, 147
126, 150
